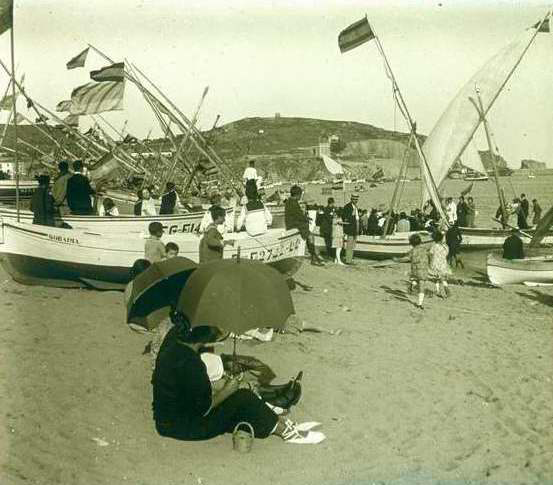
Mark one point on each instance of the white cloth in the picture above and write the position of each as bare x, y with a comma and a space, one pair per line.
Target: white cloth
256, 221
114, 211
250, 173
148, 208
214, 366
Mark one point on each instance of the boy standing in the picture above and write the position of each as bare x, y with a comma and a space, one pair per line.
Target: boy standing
212, 243
154, 249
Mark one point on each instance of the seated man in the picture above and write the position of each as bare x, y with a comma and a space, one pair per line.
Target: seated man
512, 247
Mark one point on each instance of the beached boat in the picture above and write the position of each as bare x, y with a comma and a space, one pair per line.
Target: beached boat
34, 254
122, 224
516, 271
378, 247
7, 190
491, 238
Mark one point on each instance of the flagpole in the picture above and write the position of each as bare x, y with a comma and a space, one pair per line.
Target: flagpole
10, 115
402, 105
12, 48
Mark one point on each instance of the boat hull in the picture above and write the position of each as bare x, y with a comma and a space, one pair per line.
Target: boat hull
376, 247
8, 190
47, 256
490, 238
517, 271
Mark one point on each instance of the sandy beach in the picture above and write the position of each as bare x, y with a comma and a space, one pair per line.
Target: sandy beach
462, 390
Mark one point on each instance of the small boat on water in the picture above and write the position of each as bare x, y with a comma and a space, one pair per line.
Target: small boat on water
49, 256
7, 190
502, 272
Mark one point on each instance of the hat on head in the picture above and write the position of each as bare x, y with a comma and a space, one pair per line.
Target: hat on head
355, 196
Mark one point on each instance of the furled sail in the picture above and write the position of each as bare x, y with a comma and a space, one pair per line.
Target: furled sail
454, 130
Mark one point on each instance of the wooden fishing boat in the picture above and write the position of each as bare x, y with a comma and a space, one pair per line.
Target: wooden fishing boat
378, 247
491, 238
122, 224
7, 190
516, 271
34, 254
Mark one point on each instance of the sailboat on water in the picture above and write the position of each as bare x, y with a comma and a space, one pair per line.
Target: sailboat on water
452, 135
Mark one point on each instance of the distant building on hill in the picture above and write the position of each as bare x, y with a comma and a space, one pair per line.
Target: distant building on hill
532, 165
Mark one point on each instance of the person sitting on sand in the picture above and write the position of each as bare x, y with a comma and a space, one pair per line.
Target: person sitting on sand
154, 249
187, 407
513, 247
438, 268
212, 243
42, 203
254, 214
419, 267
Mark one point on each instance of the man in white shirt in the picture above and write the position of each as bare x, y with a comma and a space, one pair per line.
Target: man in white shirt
250, 173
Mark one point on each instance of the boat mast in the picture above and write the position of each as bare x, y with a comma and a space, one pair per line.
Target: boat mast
480, 108
14, 110
402, 105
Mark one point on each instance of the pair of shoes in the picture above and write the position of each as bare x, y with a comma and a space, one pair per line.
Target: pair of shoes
305, 426
316, 262
420, 307
292, 434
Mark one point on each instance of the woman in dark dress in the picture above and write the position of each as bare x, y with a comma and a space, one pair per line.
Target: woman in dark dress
185, 406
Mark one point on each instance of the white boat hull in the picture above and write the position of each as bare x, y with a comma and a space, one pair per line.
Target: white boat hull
517, 271
34, 254
491, 238
377, 247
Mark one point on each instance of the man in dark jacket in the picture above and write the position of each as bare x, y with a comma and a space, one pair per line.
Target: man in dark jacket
525, 205
512, 247
42, 203
295, 218
79, 192
350, 216
168, 199
325, 225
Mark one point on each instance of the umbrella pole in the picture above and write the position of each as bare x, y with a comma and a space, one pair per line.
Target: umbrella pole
234, 356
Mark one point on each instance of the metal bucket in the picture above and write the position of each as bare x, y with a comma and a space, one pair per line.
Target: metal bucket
242, 440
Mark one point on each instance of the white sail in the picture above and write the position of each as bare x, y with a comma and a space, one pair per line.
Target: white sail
471, 158
457, 125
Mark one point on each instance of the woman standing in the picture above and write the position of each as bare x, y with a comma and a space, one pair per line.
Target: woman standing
337, 237
471, 212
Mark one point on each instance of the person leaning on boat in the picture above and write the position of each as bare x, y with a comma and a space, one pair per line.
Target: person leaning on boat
42, 203
59, 189
79, 192
145, 206
513, 247
169, 200
254, 215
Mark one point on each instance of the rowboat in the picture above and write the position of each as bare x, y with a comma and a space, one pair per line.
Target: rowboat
122, 224
378, 247
516, 271
49, 256
491, 238
7, 190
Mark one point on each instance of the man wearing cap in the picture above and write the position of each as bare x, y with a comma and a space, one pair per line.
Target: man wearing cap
350, 216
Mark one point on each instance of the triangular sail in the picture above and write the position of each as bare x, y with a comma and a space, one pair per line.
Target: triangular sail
471, 159
454, 130
542, 228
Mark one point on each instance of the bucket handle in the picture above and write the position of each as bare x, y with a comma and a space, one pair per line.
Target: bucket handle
247, 424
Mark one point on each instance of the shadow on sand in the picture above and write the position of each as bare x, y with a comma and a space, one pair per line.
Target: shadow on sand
537, 296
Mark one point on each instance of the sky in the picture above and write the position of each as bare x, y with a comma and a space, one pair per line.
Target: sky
261, 57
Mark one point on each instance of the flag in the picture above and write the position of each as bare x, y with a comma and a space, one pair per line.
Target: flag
355, 35
95, 97
332, 166
115, 72
64, 106
78, 61
104, 167
6, 15
72, 120
544, 26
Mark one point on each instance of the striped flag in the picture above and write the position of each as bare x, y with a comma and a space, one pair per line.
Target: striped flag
78, 61
95, 97
355, 35
63, 106
115, 72
6, 15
